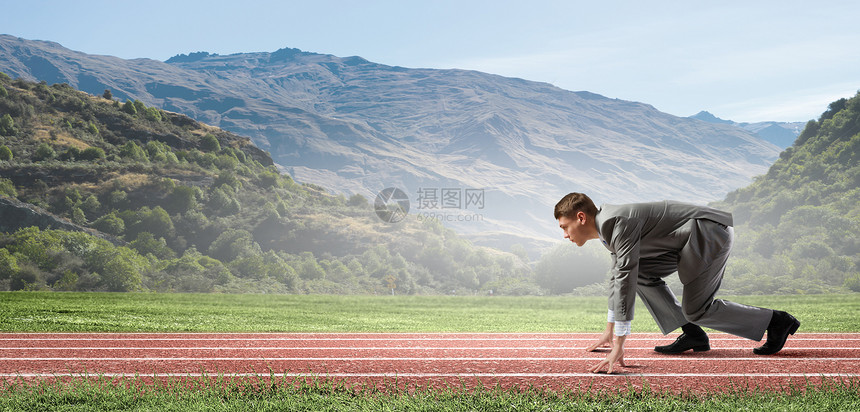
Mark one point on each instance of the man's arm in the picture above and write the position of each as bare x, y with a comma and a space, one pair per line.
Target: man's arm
626, 236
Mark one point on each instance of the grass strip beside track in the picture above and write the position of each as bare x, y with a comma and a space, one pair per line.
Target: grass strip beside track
268, 393
152, 312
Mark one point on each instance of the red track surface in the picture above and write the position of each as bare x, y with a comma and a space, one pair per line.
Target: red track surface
437, 360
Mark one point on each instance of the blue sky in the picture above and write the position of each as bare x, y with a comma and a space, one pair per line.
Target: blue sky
741, 60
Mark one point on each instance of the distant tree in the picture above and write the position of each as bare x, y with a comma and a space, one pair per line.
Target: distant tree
133, 151
564, 268
152, 114
7, 188
5, 153
8, 264
186, 274
146, 244
309, 268
165, 184
223, 202
129, 108
117, 199
110, 223
78, 216
74, 194
209, 144
215, 270
229, 178
44, 152
91, 205
27, 278
520, 251
358, 200
68, 282
3, 92
157, 151
93, 129
7, 126
182, 199
269, 178
107, 94
156, 221
92, 153
139, 106
833, 108
71, 154
227, 161
120, 267
240, 155
234, 244
852, 282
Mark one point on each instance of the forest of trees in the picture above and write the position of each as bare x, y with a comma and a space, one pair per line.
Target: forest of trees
191, 208
798, 226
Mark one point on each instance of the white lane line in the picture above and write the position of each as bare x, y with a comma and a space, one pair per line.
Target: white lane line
432, 375
374, 334
180, 339
392, 348
663, 358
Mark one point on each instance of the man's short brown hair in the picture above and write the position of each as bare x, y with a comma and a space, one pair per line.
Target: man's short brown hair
573, 203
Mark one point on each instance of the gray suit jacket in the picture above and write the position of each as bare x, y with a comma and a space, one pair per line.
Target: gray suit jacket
646, 231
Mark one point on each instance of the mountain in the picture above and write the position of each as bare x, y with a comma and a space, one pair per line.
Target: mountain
96, 195
357, 127
798, 225
781, 134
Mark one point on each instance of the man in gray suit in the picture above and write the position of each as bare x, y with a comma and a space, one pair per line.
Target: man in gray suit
650, 241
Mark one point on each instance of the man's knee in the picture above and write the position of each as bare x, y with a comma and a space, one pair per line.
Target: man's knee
650, 281
693, 317
695, 313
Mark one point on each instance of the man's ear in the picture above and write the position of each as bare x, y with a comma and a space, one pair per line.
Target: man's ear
581, 217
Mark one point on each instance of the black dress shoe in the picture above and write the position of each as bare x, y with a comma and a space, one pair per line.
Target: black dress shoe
781, 325
686, 342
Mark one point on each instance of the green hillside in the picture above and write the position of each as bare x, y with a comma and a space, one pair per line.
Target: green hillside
99, 194
102, 195
798, 226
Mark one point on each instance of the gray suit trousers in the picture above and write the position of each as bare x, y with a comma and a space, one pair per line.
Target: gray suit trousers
700, 265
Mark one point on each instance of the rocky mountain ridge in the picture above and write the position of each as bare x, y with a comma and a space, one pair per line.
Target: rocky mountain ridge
781, 134
355, 126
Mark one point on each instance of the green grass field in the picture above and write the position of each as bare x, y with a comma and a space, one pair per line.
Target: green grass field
118, 312
149, 312
260, 395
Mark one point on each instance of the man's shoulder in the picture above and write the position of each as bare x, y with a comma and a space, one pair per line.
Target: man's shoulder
633, 209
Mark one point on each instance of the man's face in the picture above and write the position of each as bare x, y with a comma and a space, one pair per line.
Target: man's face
574, 228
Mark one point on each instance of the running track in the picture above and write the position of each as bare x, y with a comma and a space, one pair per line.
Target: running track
453, 360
